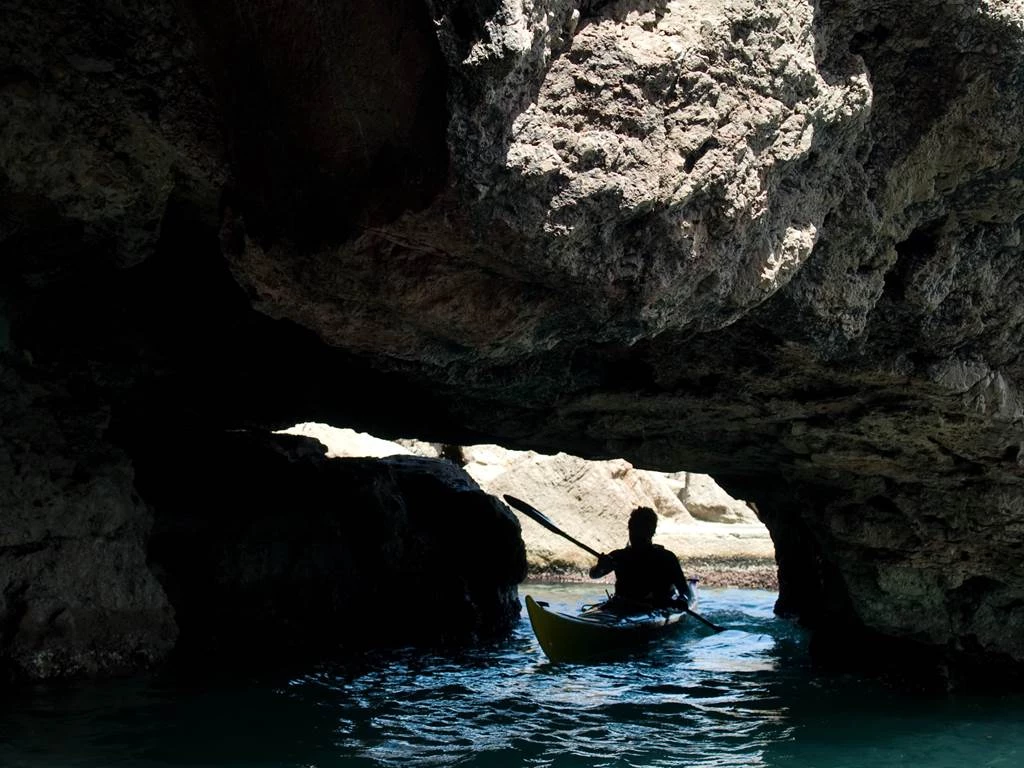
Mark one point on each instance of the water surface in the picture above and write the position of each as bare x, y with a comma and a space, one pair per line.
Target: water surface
744, 697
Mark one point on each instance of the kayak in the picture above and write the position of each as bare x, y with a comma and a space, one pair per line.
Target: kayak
597, 632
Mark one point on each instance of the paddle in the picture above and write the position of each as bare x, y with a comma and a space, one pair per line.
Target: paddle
540, 517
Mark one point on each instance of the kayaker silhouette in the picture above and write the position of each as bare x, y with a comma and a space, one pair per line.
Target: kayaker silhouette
646, 574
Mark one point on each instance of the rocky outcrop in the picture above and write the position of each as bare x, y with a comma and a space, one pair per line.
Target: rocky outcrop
250, 551
271, 553
591, 501
777, 243
76, 595
706, 500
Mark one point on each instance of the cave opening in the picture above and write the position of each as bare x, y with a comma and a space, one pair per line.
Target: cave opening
286, 535
719, 535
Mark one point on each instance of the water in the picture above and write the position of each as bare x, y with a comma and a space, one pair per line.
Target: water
745, 697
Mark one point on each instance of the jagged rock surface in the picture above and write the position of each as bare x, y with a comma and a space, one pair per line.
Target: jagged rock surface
76, 595
777, 243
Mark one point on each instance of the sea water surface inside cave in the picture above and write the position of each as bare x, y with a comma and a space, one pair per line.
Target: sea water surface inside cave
745, 697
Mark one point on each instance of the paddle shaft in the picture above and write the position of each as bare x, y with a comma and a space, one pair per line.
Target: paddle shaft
540, 517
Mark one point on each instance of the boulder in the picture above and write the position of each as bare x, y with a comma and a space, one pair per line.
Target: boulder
706, 500
286, 555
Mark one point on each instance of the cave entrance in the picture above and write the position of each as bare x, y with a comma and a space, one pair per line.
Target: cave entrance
718, 538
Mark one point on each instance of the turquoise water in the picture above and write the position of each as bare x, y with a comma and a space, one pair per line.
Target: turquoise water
745, 697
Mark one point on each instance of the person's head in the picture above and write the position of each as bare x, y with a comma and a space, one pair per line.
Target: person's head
642, 524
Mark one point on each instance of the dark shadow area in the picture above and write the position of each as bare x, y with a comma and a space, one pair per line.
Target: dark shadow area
271, 553
335, 112
174, 343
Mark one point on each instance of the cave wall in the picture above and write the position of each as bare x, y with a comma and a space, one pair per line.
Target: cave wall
778, 243
76, 594
271, 553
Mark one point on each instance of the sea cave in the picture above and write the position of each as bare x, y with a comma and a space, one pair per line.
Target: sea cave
777, 243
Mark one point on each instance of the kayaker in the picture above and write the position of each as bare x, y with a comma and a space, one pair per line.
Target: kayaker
645, 573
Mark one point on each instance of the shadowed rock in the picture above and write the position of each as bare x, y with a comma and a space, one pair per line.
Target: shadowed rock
270, 553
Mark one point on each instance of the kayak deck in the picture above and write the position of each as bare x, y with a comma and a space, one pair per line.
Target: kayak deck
596, 633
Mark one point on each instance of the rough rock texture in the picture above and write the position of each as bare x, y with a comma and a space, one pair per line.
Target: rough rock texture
706, 500
778, 243
609, 184
270, 552
105, 118
76, 595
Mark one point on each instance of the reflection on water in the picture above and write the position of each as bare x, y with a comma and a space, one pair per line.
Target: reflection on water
744, 697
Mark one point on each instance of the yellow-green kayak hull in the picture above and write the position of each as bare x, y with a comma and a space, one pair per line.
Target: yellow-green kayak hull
595, 634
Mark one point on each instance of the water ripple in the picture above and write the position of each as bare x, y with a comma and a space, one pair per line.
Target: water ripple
738, 699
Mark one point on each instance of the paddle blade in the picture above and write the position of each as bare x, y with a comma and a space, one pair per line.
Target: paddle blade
705, 621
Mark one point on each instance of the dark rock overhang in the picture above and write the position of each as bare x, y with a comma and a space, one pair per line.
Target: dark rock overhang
779, 244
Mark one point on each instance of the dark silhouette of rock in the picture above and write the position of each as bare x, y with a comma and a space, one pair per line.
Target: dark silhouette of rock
76, 595
269, 551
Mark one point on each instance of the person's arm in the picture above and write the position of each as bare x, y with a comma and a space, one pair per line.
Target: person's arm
605, 565
679, 580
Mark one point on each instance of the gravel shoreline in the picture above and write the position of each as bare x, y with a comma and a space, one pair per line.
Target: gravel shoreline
744, 572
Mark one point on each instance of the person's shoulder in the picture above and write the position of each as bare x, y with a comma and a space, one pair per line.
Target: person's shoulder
665, 553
